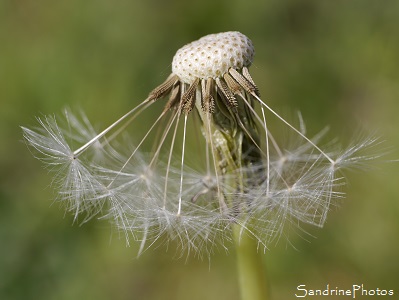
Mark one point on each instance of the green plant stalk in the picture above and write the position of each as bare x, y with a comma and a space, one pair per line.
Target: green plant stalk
233, 135
250, 268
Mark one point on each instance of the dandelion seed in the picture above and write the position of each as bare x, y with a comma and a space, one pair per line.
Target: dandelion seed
73, 177
195, 190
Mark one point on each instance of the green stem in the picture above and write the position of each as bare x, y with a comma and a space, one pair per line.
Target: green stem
251, 275
233, 137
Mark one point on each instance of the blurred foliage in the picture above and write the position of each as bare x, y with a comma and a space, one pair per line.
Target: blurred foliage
336, 61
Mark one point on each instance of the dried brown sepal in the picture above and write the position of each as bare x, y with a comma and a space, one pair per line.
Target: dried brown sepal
207, 100
242, 81
225, 93
232, 84
248, 76
164, 88
187, 99
173, 98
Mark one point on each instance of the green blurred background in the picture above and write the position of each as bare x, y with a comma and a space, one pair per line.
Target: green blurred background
336, 61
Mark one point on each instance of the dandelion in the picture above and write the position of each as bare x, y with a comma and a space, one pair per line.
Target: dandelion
235, 184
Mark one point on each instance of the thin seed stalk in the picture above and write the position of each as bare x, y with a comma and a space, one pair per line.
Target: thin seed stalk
236, 149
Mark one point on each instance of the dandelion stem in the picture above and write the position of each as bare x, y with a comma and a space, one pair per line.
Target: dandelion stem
250, 269
238, 147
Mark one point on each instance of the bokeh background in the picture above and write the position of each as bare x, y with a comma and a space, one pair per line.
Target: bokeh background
335, 61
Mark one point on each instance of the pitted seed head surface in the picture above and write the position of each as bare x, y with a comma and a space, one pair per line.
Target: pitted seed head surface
213, 55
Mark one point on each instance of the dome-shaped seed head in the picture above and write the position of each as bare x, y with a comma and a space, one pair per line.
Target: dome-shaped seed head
213, 55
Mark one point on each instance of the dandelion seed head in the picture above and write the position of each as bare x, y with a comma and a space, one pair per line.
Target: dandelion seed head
212, 56
243, 175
